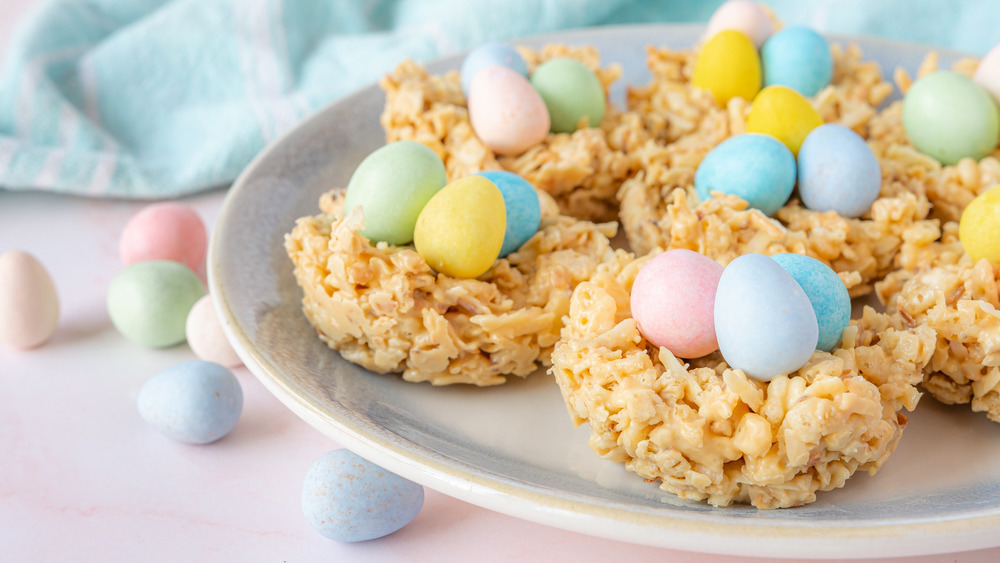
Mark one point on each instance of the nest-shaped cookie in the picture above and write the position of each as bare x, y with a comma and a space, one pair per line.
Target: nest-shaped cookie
709, 432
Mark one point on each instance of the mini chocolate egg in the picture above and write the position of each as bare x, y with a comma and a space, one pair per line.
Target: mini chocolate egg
757, 168
506, 113
799, 58
988, 72
764, 321
29, 304
728, 66
149, 302
461, 229
349, 499
491, 54
524, 213
838, 171
949, 117
164, 231
784, 114
571, 91
673, 302
979, 226
827, 293
205, 335
392, 185
194, 402
743, 16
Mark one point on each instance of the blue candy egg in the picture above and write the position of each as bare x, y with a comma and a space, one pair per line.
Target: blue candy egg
195, 402
763, 319
524, 214
347, 498
491, 54
799, 58
827, 293
838, 171
756, 167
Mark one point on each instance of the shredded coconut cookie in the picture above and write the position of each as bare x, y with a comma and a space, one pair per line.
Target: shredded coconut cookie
708, 432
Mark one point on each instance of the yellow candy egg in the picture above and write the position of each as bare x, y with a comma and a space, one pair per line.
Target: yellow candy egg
728, 66
784, 114
460, 230
979, 227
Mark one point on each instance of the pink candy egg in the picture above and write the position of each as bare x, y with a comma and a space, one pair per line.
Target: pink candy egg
744, 16
205, 335
164, 231
507, 114
29, 305
988, 72
673, 301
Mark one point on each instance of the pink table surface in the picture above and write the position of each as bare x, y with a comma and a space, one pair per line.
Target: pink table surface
82, 478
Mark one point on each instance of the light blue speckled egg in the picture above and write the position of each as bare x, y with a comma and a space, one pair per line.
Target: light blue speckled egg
524, 214
756, 167
763, 319
491, 54
349, 499
826, 292
799, 58
195, 402
838, 171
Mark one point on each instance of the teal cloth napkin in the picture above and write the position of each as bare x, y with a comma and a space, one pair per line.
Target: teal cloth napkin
161, 98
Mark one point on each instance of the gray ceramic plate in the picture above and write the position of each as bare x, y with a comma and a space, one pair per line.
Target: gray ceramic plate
512, 448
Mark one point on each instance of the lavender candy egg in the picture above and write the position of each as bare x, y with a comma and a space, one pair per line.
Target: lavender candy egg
195, 402
838, 171
491, 54
826, 292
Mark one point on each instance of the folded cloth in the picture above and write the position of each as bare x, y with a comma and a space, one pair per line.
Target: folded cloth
161, 98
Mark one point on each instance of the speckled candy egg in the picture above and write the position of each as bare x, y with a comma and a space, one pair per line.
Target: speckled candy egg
195, 402
29, 305
979, 226
673, 299
571, 91
764, 321
826, 292
838, 171
392, 185
784, 114
988, 72
949, 117
743, 16
506, 113
164, 231
349, 499
149, 302
799, 58
524, 214
728, 66
205, 335
757, 168
491, 54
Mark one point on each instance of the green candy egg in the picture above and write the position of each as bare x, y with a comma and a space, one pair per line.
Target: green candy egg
571, 91
392, 185
149, 302
949, 117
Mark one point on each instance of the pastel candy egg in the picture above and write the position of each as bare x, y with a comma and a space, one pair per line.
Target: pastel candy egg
506, 113
838, 171
461, 229
205, 335
757, 168
784, 114
164, 231
979, 226
744, 16
195, 402
988, 72
571, 91
764, 321
29, 305
949, 117
799, 58
524, 214
826, 292
728, 66
491, 54
672, 300
392, 185
149, 302
349, 499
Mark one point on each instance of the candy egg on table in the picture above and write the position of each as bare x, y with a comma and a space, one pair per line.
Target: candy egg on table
799, 58
838, 171
757, 168
506, 113
524, 213
979, 226
764, 321
491, 54
826, 292
988, 72
392, 185
949, 117
205, 336
673, 302
194, 402
728, 66
149, 302
571, 92
784, 114
29, 304
744, 16
461, 229
164, 231
349, 499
